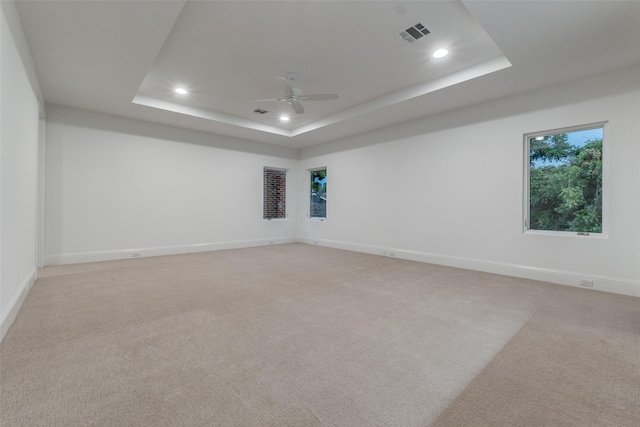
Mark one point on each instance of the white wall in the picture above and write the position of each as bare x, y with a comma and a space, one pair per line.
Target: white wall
19, 121
116, 186
448, 189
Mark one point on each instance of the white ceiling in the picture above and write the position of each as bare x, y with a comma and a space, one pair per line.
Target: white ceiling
126, 57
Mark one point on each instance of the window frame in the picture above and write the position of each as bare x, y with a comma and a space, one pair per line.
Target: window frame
308, 198
526, 213
286, 193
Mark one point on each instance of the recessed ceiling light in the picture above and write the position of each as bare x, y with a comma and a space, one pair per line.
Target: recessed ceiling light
181, 90
539, 138
284, 118
440, 53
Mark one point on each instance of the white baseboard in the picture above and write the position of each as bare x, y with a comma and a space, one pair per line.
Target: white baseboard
77, 258
569, 278
9, 315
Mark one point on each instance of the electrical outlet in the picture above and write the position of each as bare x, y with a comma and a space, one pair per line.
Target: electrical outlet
271, 242
586, 283
135, 254
392, 254
315, 242
385, 253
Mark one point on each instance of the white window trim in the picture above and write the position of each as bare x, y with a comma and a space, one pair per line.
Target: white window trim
286, 214
605, 182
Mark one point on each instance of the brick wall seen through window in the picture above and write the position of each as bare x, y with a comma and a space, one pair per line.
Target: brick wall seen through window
275, 194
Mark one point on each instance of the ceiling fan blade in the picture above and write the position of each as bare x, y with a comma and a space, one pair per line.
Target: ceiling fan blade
319, 97
286, 87
297, 107
267, 100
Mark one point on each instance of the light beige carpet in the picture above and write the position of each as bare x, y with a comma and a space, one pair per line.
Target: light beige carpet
303, 335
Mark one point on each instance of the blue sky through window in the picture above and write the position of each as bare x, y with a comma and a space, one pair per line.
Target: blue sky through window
578, 138
581, 137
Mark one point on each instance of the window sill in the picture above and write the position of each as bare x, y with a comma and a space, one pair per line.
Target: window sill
566, 234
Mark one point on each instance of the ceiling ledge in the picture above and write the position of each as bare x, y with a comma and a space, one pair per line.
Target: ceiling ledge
484, 68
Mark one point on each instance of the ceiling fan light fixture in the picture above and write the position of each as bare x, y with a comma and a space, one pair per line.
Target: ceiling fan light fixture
293, 95
440, 53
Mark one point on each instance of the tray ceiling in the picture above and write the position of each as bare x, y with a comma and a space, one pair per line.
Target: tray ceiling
127, 57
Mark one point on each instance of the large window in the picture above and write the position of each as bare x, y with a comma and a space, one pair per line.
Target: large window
564, 180
318, 193
274, 193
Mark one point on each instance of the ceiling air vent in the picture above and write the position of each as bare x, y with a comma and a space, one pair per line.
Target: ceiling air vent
412, 34
259, 111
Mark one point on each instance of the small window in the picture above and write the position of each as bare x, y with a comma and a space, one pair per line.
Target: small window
564, 180
275, 193
318, 193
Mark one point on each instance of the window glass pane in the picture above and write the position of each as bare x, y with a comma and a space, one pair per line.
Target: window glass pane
274, 194
318, 185
566, 181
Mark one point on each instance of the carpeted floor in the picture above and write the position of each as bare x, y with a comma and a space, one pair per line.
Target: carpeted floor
299, 335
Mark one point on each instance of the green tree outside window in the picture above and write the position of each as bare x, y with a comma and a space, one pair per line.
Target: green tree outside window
565, 182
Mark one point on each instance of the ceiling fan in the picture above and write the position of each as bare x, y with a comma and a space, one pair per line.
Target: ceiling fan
293, 95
